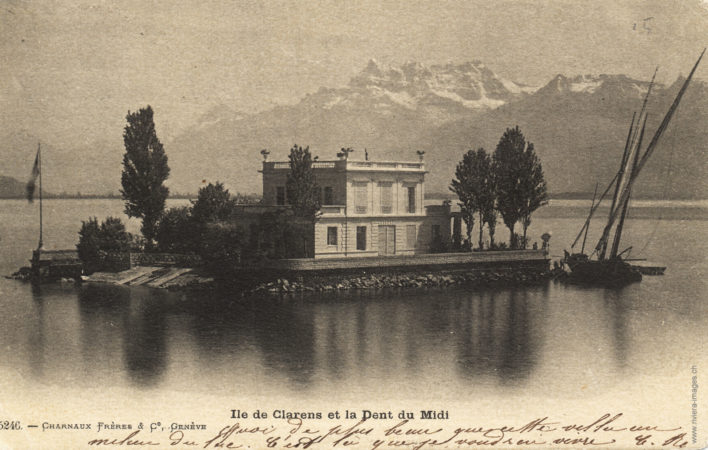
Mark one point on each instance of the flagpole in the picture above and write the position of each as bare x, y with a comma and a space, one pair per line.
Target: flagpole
39, 157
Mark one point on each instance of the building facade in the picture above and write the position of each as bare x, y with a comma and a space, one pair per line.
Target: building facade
369, 208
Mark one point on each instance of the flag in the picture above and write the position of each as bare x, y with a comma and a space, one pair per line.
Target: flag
33, 179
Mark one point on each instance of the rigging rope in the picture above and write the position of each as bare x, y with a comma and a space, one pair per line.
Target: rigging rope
667, 180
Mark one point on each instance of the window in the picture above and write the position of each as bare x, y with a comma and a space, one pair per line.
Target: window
280, 195
331, 235
328, 196
361, 197
411, 199
386, 198
410, 236
361, 238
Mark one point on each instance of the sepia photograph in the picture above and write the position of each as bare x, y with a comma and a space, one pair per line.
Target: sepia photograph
353, 224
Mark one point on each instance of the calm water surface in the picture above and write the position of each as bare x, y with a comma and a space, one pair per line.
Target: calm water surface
531, 342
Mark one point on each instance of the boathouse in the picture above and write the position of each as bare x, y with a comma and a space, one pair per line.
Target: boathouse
369, 208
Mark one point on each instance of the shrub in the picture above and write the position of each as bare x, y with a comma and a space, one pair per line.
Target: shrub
113, 237
221, 247
498, 246
89, 245
96, 241
177, 231
213, 204
281, 234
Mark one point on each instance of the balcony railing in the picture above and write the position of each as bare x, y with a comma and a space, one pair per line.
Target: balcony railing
343, 164
385, 165
332, 210
324, 164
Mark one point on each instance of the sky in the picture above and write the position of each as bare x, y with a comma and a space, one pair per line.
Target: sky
71, 70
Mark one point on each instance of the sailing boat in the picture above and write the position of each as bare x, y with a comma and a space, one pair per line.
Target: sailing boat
614, 269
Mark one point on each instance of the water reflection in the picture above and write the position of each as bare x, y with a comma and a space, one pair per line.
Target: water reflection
145, 349
284, 331
103, 313
616, 303
36, 341
126, 325
134, 335
495, 337
219, 328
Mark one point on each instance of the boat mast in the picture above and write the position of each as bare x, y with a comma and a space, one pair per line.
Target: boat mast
631, 139
39, 159
602, 245
625, 206
650, 148
592, 211
587, 228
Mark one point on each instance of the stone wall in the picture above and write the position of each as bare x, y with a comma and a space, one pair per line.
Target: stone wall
512, 258
114, 262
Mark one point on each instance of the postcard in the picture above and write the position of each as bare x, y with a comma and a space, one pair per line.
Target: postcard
356, 225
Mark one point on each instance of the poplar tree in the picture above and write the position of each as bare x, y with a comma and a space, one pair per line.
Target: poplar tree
145, 170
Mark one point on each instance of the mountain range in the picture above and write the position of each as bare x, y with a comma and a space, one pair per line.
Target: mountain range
578, 126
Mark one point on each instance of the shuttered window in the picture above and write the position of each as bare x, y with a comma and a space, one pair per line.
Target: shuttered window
361, 197
411, 198
361, 238
386, 197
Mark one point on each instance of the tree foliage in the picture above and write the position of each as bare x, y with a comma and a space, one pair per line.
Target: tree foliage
302, 190
95, 241
463, 185
177, 232
475, 188
489, 217
89, 244
206, 228
144, 171
508, 167
521, 187
214, 203
534, 187
221, 247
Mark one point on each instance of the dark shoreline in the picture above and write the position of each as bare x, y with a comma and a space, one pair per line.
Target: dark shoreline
246, 284
400, 280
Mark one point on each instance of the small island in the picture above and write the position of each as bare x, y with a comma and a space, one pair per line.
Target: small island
345, 223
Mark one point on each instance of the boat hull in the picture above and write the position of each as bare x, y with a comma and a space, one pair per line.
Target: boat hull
608, 272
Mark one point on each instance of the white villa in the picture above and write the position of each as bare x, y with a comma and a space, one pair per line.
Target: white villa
369, 208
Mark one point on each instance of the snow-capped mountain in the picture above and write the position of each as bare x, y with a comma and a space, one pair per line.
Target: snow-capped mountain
428, 90
577, 123
579, 127
595, 84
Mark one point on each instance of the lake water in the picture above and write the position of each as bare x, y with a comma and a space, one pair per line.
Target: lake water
485, 347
